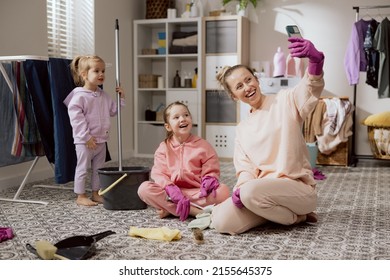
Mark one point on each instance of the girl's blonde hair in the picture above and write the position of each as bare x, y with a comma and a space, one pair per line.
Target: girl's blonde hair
225, 72
167, 112
81, 64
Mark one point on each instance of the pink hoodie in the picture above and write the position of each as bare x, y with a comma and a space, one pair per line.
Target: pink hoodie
184, 164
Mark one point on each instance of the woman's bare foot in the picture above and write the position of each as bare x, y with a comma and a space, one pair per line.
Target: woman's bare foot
162, 213
83, 200
96, 197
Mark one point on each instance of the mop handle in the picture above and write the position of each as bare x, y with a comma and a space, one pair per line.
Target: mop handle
119, 126
101, 192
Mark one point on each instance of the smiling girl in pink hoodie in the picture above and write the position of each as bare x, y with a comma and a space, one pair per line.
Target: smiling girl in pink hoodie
186, 170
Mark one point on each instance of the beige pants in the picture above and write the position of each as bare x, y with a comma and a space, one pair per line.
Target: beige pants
282, 201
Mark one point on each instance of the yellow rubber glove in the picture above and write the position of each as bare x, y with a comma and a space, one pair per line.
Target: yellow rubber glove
162, 233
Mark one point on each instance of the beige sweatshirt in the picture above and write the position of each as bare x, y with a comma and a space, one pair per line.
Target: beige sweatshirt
270, 142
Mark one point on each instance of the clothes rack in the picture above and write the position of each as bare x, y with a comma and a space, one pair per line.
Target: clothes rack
357, 10
9, 83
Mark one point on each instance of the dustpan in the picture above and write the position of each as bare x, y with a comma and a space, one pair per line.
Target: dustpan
119, 186
79, 247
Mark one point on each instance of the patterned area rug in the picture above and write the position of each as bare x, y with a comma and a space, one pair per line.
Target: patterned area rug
354, 223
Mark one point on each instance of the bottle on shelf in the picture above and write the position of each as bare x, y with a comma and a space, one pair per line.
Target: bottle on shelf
195, 78
177, 80
279, 64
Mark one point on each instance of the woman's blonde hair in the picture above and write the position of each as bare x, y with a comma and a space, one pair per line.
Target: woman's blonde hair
167, 112
225, 72
81, 64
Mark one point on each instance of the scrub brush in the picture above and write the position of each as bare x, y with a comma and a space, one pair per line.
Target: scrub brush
47, 251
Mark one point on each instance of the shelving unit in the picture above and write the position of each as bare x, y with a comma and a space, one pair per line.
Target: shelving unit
226, 43
147, 37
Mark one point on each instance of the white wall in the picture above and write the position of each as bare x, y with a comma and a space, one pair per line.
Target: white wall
327, 24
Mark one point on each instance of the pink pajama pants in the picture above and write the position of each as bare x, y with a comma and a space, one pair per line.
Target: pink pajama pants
155, 196
267, 199
88, 158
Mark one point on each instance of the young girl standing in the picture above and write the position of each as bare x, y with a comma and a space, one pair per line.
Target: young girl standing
90, 109
186, 170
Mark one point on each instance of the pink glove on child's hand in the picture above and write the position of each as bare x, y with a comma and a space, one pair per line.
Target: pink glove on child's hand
300, 47
236, 198
177, 197
209, 185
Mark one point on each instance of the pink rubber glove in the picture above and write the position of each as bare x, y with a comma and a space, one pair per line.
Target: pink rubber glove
300, 47
177, 197
6, 233
236, 198
209, 185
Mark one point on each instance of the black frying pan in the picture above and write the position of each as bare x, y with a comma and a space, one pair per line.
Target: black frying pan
78, 247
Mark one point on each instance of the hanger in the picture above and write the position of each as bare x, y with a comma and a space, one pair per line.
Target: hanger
366, 16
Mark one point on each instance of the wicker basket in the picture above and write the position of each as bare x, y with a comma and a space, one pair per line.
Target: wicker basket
339, 157
379, 138
147, 81
158, 8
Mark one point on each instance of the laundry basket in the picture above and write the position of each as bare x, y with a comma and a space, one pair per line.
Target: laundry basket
379, 139
378, 129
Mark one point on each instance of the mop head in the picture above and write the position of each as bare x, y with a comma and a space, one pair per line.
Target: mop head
47, 251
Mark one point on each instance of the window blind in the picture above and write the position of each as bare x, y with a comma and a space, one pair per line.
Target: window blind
70, 28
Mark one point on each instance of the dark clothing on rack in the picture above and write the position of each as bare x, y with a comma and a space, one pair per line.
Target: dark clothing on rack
37, 78
27, 140
372, 55
8, 121
381, 43
61, 83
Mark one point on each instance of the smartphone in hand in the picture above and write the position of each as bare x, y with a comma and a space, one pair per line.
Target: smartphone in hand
293, 31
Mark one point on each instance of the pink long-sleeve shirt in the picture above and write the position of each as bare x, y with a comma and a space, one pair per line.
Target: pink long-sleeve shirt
90, 113
270, 142
184, 164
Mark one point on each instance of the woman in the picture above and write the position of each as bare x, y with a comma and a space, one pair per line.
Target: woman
275, 181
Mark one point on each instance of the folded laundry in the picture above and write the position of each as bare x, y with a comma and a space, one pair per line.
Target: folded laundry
188, 41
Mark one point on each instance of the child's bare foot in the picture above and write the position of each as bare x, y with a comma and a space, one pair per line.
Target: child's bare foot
83, 200
96, 197
308, 218
311, 217
162, 213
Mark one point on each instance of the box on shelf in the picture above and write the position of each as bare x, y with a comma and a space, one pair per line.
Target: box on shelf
162, 50
147, 81
149, 51
162, 43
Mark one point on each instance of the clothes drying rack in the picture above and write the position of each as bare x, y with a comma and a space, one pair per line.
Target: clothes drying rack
9, 83
357, 10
